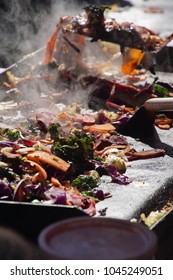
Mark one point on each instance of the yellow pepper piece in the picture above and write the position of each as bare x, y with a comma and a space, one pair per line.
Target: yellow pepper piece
131, 60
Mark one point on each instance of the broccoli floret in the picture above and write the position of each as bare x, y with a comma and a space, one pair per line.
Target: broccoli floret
86, 182
12, 135
161, 90
76, 147
54, 130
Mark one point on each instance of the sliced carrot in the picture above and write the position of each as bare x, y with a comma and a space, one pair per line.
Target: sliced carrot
50, 159
46, 141
7, 85
119, 107
164, 121
107, 127
40, 169
36, 178
56, 182
113, 146
63, 116
164, 126
47, 58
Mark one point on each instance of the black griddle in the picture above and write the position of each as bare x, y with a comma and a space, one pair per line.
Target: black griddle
29, 219
151, 187
150, 190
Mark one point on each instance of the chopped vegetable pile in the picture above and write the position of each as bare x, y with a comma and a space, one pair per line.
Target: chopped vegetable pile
61, 161
59, 158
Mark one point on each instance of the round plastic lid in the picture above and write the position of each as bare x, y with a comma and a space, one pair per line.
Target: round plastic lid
98, 238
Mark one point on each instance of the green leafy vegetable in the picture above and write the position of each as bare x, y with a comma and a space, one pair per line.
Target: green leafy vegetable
12, 135
86, 182
54, 130
75, 147
160, 89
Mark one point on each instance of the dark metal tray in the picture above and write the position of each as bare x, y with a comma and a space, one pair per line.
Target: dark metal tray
29, 219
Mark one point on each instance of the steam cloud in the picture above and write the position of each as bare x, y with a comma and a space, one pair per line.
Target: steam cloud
27, 25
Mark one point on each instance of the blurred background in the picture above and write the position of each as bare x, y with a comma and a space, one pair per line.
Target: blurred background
20, 22
25, 25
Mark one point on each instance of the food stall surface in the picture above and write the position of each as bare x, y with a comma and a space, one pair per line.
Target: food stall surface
152, 179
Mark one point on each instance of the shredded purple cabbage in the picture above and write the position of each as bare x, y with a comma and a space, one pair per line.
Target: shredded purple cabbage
113, 173
5, 191
7, 144
99, 194
122, 120
116, 176
34, 191
61, 199
97, 163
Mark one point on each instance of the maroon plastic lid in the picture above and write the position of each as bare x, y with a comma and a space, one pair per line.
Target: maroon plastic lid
98, 238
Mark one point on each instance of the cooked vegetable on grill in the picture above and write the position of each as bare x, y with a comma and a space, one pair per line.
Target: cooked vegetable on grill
60, 154
137, 43
56, 167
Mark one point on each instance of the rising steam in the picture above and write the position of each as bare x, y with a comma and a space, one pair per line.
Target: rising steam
27, 25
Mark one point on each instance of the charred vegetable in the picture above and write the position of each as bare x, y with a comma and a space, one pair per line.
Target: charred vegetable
137, 43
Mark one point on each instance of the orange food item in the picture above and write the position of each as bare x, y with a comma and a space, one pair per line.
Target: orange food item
131, 60
41, 175
56, 182
50, 159
51, 45
107, 127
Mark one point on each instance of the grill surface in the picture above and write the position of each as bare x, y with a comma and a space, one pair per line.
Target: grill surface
152, 179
